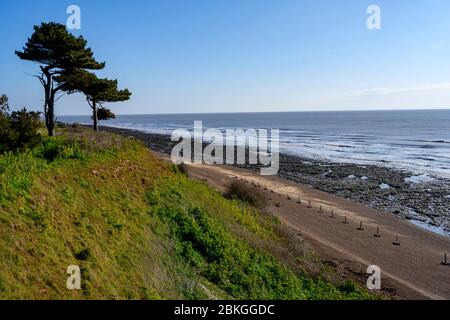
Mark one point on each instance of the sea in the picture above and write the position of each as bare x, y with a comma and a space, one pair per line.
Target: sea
413, 140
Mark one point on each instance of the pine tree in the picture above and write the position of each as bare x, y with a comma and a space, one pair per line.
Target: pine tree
56, 51
97, 91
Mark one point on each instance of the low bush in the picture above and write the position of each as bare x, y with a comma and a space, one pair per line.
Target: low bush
182, 168
26, 124
54, 148
240, 190
18, 130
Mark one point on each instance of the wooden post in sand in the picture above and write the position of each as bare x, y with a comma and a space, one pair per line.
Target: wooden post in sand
332, 214
378, 234
320, 209
345, 220
445, 262
309, 205
361, 228
396, 241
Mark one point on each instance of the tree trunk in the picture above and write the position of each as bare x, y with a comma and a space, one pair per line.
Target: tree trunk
51, 119
51, 114
49, 107
95, 116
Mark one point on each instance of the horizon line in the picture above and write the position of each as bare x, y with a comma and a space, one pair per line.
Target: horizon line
255, 112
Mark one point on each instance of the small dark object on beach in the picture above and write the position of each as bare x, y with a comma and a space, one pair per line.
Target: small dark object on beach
277, 204
288, 197
378, 234
445, 262
345, 220
396, 241
299, 201
309, 205
361, 228
332, 214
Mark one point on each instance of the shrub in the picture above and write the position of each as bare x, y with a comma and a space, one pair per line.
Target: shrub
19, 130
83, 255
7, 134
240, 190
54, 148
50, 149
26, 124
182, 168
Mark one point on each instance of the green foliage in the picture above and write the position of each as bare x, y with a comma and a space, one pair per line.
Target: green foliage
26, 125
7, 134
69, 212
57, 52
19, 130
137, 229
83, 255
239, 270
182, 168
54, 148
240, 190
95, 89
105, 114
208, 242
55, 47
16, 175
4, 106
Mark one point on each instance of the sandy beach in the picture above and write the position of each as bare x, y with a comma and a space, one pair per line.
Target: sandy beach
418, 199
342, 231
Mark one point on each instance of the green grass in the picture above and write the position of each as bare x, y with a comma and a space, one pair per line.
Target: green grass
226, 243
139, 229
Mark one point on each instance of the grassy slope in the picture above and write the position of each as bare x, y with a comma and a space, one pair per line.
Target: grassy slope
140, 230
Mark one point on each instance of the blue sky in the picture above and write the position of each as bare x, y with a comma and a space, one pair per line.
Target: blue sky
188, 56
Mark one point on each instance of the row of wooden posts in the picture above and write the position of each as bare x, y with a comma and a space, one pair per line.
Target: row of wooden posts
396, 241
